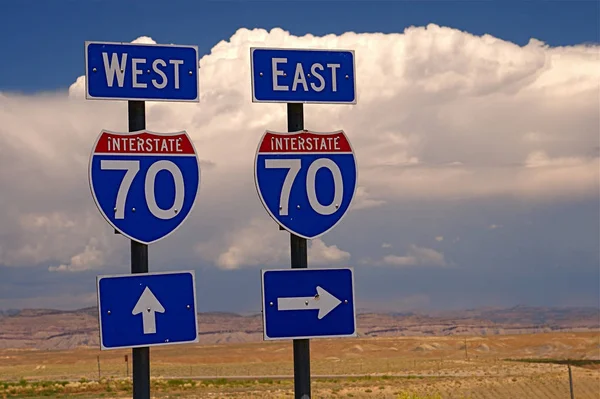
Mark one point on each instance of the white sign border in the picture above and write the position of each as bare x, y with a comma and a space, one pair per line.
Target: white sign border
134, 133
262, 200
100, 277
88, 96
262, 283
255, 100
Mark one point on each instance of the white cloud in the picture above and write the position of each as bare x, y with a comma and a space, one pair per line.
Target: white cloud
386, 245
441, 114
145, 40
439, 238
416, 256
320, 254
90, 258
261, 243
362, 199
400, 260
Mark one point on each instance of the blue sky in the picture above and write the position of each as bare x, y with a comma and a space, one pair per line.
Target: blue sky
478, 160
45, 38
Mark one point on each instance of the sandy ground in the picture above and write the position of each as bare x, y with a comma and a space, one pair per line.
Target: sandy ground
382, 367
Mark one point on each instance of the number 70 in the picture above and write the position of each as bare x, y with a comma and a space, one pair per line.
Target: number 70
132, 168
293, 166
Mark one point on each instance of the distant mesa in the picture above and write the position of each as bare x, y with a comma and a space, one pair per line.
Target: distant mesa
58, 329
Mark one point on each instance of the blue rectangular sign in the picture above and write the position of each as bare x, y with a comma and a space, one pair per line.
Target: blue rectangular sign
308, 303
144, 72
303, 76
147, 309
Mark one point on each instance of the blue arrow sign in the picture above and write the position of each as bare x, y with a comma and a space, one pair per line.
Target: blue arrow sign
306, 180
133, 71
303, 76
147, 309
144, 183
308, 303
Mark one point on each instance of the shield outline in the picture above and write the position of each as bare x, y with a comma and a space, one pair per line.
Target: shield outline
262, 200
133, 133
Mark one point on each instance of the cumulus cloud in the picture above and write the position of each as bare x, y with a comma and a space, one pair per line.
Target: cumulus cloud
90, 258
320, 254
258, 243
261, 243
363, 199
441, 114
416, 256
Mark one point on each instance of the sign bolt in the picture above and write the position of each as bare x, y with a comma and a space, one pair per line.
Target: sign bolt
347, 76
270, 303
284, 74
308, 75
133, 209
147, 71
108, 312
191, 73
94, 70
167, 340
337, 205
306, 303
345, 301
188, 306
115, 209
298, 206
175, 210
260, 74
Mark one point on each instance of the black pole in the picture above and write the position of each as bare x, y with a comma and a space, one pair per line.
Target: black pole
571, 382
299, 257
136, 112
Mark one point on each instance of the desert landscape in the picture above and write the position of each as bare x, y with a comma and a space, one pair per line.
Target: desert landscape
490, 353
57, 329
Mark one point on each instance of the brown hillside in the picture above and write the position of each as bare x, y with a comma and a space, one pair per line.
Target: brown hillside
55, 329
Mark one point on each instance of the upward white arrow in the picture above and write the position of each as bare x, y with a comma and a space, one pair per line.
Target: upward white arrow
323, 301
148, 305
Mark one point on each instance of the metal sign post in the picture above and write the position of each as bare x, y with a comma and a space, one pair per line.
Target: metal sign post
136, 114
296, 77
299, 260
138, 73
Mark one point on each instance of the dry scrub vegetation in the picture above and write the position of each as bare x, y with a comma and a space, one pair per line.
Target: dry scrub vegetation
399, 367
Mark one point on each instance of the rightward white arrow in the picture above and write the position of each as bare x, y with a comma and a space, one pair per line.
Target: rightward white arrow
323, 301
148, 305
